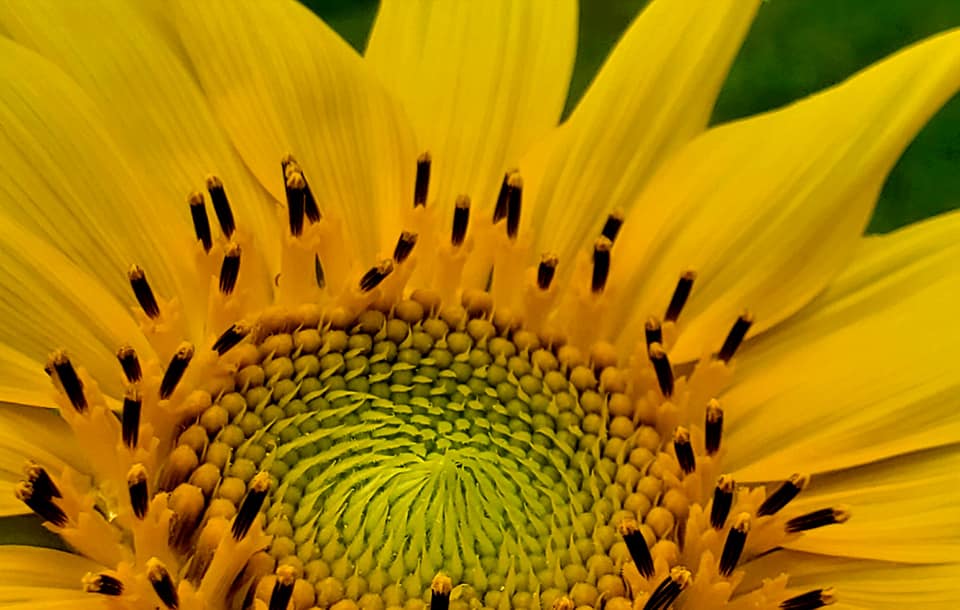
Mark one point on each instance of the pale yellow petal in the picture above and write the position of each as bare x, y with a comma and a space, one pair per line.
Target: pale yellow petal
280, 81
128, 67
481, 82
768, 210
32, 574
903, 509
40, 435
865, 372
654, 93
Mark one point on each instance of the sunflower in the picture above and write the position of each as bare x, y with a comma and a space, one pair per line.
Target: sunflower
284, 327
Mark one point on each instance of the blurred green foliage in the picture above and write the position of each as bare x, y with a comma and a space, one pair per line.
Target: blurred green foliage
796, 47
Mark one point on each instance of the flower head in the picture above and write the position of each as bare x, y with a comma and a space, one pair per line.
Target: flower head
341, 332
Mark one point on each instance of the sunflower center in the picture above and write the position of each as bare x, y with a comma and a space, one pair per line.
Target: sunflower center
421, 440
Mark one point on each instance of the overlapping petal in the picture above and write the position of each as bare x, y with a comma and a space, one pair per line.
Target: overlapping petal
481, 81
865, 372
32, 577
767, 210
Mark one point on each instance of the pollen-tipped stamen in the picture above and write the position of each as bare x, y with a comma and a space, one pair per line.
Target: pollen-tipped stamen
318, 274
130, 417
129, 363
137, 490
282, 588
818, 518
680, 295
162, 583
601, 264
461, 217
104, 584
735, 337
787, 491
547, 270
221, 206
652, 331
440, 589
503, 197
817, 598
404, 246
733, 547
40, 480
722, 501
669, 589
231, 338
611, 228
250, 507
422, 185
143, 292
713, 427
295, 189
60, 364
230, 269
663, 369
514, 203
40, 503
201, 223
176, 368
637, 545
379, 272
684, 450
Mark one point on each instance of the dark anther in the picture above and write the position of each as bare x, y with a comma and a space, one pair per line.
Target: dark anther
379, 272
653, 332
143, 292
547, 270
129, 363
318, 273
250, 507
440, 592
289, 166
637, 545
40, 503
295, 187
817, 598
461, 216
40, 480
178, 364
514, 202
221, 206
661, 365
735, 337
130, 419
137, 486
104, 584
669, 589
787, 491
422, 185
818, 518
162, 583
230, 338
713, 427
611, 228
69, 380
684, 450
722, 501
201, 224
680, 295
733, 547
282, 588
503, 197
601, 264
230, 269
404, 246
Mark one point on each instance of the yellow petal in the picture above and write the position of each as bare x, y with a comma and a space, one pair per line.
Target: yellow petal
37, 434
767, 210
654, 93
864, 372
481, 82
280, 81
158, 114
36, 574
904, 509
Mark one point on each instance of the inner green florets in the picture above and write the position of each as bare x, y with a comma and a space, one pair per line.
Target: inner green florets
412, 442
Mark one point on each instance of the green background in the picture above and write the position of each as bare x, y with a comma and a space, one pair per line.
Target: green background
795, 48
